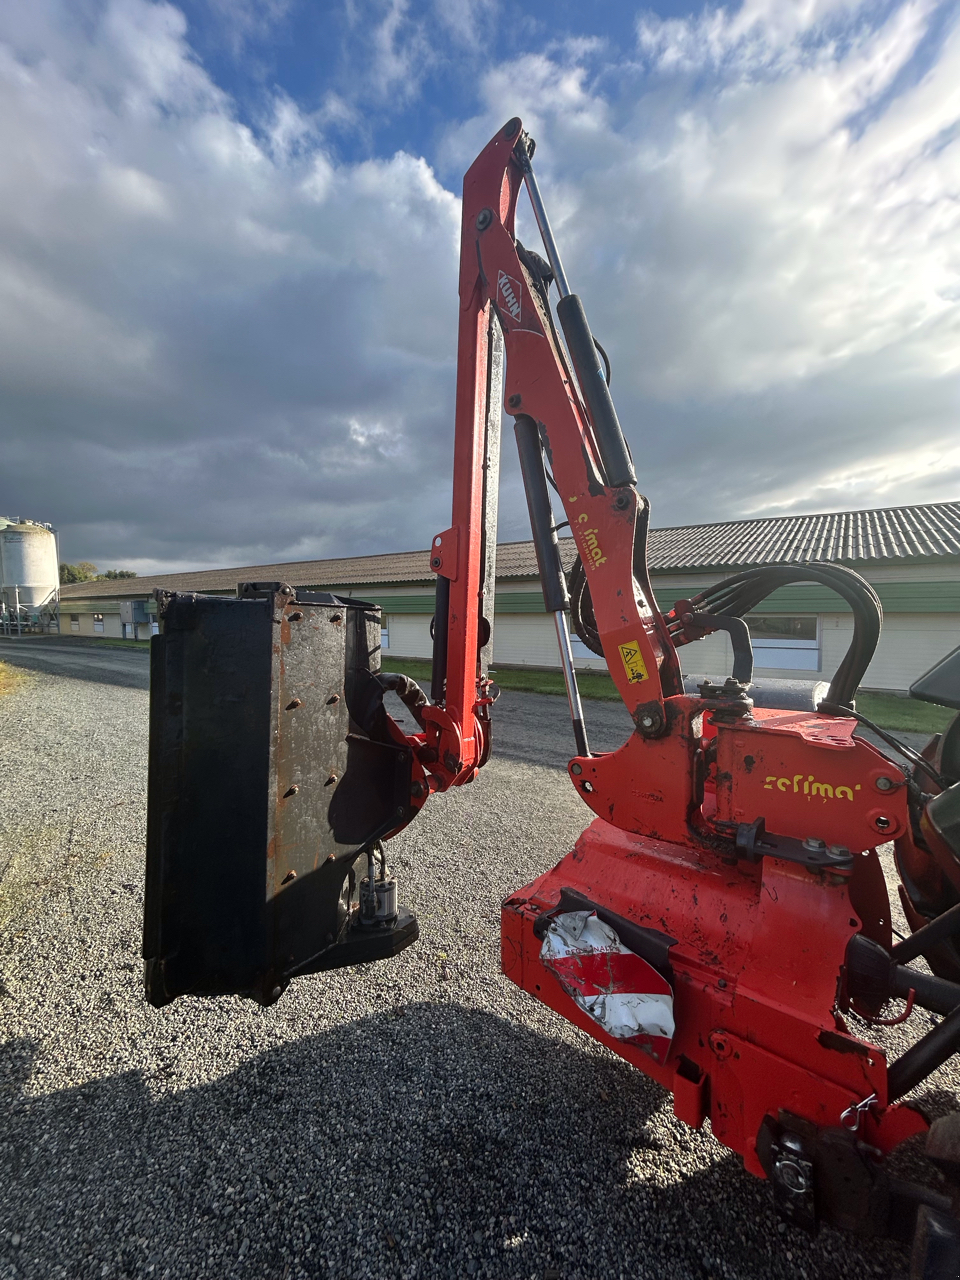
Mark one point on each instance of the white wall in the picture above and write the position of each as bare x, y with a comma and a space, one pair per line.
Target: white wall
409, 636
519, 639
909, 645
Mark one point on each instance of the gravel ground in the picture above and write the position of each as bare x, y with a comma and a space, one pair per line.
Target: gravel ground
418, 1118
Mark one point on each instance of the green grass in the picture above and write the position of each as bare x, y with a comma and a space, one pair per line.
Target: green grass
593, 684
105, 642
892, 712
885, 709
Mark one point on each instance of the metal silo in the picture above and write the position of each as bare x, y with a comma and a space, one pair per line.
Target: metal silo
29, 573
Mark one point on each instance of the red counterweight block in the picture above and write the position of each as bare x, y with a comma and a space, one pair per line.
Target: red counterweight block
754, 973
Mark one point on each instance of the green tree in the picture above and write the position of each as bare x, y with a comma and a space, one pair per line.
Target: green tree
110, 575
82, 572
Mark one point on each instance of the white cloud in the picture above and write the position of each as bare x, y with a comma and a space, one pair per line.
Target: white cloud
203, 330
220, 343
770, 252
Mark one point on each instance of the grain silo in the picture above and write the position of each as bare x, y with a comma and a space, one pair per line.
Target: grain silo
29, 573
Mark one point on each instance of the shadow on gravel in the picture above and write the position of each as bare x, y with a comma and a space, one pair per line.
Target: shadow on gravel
535, 728
443, 1142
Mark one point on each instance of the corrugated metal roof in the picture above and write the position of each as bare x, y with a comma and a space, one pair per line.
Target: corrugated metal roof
889, 534
398, 567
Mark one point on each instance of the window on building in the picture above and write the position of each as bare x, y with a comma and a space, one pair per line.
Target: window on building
790, 643
385, 634
98, 622
579, 649
154, 627
74, 622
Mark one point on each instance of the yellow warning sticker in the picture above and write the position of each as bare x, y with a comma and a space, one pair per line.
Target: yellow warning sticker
633, 662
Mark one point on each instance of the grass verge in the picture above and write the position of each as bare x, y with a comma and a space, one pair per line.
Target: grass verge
892, 712
593, 684
89, 642
885, 709
10, 678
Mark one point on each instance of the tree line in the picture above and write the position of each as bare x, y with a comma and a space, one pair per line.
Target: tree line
87, 572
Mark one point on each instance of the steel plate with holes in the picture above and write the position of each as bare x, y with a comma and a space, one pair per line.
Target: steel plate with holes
253, 755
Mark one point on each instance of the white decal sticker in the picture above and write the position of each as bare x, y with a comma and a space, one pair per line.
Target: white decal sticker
509, 290
623, 993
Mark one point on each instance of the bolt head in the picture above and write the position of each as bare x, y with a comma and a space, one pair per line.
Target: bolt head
436, 562
647, 721
814, 844
576, 768
884, 784
484, 218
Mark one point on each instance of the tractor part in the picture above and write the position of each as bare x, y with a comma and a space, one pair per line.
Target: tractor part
725, 911
269, 776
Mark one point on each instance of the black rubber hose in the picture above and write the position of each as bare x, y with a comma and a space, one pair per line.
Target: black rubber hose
607, 431
408, 691
739, 634
743, 592
941, 929
936, 994
923, 1058
582, 617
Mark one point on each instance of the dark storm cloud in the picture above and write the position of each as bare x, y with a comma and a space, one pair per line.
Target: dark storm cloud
222, 346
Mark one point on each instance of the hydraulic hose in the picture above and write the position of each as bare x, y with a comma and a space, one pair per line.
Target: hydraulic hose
742, 593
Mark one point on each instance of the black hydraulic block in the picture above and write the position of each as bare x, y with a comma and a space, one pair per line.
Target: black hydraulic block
263, 788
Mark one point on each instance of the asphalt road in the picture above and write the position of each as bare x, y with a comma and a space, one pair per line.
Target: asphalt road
417, 1118
98, 663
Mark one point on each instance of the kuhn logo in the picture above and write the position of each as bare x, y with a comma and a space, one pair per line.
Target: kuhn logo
510, 293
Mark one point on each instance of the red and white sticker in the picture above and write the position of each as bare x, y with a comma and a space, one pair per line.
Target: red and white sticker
510, 294
629, 999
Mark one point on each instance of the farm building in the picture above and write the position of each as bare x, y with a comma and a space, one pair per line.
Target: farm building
910, 555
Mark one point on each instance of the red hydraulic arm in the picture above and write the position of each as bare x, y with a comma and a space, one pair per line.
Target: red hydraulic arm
498, 294
734, 848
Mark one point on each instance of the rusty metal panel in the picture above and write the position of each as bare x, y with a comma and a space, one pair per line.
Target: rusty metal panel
250, 743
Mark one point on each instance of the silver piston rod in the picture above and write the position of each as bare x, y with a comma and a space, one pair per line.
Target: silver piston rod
552, 582
608, 434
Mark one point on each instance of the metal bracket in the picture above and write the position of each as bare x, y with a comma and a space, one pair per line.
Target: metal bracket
445, 553
752, 843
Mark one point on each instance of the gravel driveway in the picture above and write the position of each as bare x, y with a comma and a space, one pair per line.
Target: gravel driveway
417, 1118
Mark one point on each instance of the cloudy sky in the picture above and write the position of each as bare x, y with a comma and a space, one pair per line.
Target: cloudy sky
228, 251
